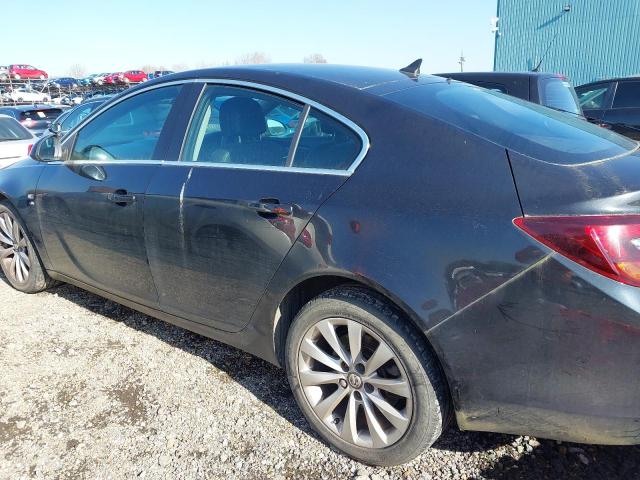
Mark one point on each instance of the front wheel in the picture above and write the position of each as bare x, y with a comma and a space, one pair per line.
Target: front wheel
364, 377
18, 258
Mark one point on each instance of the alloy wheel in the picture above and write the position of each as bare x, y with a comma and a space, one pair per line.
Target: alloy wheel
14, 250
355, 383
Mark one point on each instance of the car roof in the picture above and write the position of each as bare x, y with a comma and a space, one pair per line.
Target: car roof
506, 75
615, 79
288, 75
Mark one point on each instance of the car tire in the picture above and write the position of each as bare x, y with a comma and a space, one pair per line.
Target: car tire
45, 99
19, 259
420, 402
20, 99
41, 77
16, 77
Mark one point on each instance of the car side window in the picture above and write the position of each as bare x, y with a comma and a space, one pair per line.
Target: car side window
326, 143
129, 130
627, 95
592, 98
243, 127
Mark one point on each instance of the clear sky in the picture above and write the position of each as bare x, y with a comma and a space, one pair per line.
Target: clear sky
109, 35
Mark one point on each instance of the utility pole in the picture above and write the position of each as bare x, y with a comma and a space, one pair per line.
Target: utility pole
461, 61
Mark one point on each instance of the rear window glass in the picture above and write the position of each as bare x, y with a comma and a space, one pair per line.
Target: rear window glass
12, 130
42, 114
627, 95
521, 126
559, 94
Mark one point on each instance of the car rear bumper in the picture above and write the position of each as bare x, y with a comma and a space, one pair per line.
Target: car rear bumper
555, 353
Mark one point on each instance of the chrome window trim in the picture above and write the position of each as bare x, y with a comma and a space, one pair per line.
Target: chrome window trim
364, 138
232, 166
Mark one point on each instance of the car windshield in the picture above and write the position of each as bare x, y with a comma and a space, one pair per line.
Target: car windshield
557, 93
12, 130
521, 126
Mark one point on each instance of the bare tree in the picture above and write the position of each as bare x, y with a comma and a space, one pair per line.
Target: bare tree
315, 58
77, 70
179, 67
253, 58
150, 68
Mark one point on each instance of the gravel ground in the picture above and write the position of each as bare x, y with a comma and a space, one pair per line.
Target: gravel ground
91, 389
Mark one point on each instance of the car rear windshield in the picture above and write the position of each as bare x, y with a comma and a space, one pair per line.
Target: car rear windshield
557, 93
12, 130
521, 126
41, 114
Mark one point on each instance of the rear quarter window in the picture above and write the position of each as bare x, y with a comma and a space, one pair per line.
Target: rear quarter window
521, 126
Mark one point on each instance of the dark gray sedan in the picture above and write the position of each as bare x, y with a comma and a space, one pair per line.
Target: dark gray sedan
408, 248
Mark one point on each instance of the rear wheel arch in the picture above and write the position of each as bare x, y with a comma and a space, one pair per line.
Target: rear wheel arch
308, 289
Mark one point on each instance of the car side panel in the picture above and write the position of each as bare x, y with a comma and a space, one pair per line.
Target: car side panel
396, 226
16, 189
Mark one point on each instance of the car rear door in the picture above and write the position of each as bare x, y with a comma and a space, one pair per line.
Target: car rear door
91, 204
624, 115
254, 168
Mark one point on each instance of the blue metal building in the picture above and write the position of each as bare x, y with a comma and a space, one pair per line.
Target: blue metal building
585, 40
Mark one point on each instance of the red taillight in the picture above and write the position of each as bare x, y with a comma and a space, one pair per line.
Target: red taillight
29, 149
607, 244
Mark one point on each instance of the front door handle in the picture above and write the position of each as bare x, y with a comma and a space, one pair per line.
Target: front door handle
121, 197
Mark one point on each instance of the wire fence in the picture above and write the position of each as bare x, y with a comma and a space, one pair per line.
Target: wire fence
30, 92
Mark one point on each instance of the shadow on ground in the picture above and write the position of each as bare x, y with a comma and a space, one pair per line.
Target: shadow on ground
268, 383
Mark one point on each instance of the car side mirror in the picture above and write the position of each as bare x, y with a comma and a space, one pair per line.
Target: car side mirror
47, 149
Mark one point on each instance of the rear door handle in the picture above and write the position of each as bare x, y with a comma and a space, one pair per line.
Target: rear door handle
122, 198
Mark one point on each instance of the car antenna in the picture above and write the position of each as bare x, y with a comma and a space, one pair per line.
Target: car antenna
537, 67
413, 69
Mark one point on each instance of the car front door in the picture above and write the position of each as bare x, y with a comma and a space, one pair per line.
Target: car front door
254, 169
624, 115
90, 205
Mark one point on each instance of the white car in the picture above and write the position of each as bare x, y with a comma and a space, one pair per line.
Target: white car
15, 141
26, 94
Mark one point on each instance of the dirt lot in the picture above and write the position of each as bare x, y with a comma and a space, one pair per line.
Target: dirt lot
90, 389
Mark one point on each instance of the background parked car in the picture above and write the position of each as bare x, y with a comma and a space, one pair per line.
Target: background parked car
15, 141
26, 94
111, 78
4, 73
35, 118
63, 82
551, 90
98, 79
613, 104
132, 76
162, 73
22, 72
77, 114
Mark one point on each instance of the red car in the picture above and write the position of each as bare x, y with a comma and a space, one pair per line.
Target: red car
19, 72
132, 76
112, 78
